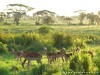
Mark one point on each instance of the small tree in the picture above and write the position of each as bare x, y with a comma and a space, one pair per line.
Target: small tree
44, 16
18, 10
97, 20
81, 17
47, 20
2, 14
68, 19
91, 18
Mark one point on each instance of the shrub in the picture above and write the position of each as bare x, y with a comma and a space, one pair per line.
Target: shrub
44, 69
63, 40
4, 71
6, 23
3, 48
44, 30
58, 40
36, 46
87, 63
6, 38
75, 63
26, 39
82, 63
38, 23
80, 43
69, 41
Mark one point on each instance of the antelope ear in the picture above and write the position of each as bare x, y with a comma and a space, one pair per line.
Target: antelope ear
12, 49
44, 48
63, 48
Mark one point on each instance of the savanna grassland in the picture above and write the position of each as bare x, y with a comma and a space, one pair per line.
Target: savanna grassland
30, 37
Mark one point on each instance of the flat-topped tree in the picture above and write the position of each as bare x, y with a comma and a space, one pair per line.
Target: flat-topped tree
81, 15
91, 18
44, 16
18, 10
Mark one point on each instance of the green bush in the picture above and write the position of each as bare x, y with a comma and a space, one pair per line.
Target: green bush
87, 63
44, 30
75, 63
36, 46
3, 48
63, 40
38, 23
80, 43
69, 41
26, 39
82, 63
6, 23
6, 38
58, 40
4, 71
44, 69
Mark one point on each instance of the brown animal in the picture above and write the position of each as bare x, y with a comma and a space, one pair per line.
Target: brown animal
51, 56
17, 54
31, 56
61, 54
67, 56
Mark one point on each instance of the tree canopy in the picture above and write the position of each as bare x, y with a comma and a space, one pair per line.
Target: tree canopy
18, 10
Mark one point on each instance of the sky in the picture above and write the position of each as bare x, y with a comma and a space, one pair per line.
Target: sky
60, 7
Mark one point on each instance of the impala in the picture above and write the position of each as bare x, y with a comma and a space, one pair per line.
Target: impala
16, 53
61, 54
31, 56
65, 55
50, 55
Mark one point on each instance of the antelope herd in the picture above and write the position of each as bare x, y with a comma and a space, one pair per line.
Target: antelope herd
51, 56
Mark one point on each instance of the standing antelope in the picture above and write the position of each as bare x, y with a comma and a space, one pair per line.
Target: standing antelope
50, 55
61, 54
65, 55
16, 53
31, 56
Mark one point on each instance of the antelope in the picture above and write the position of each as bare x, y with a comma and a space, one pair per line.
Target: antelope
61, 54
31, 56
50, 55
65, 55
17, 54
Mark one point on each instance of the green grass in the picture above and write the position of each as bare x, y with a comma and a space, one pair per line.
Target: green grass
8, 61
92, 29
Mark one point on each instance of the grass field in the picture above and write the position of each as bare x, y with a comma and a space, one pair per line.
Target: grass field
7, 61
92, 29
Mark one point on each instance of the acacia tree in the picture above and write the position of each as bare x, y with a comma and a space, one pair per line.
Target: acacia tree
47, 20
44, 16
65, 19
18, 10
68, 19
97, 20
81, 17
91, 17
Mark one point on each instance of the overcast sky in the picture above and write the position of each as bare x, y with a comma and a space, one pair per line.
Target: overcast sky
61, 7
